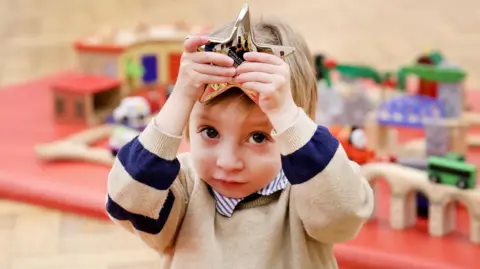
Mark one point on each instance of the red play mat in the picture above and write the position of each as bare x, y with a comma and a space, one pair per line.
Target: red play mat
26, 120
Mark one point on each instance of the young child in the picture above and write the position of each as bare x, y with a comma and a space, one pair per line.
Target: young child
262, 187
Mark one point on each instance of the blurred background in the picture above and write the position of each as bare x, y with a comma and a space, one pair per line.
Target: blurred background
37, 35
36, 39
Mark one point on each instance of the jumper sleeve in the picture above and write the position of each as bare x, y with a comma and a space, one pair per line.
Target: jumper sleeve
148, 187
331, 197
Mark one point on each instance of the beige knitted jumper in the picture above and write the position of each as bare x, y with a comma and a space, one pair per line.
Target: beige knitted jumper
159, 197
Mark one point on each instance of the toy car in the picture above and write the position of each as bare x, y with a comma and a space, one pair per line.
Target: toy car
452, 169
354, 141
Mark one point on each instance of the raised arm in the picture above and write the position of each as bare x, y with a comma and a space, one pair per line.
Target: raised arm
148, 186
331, 197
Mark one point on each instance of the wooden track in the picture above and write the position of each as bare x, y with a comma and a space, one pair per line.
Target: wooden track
37, 238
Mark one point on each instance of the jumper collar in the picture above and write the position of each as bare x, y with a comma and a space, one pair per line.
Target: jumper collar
226, 206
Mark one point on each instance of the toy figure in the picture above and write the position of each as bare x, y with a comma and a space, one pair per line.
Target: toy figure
131, 116
240, 41
354, 141
132, 112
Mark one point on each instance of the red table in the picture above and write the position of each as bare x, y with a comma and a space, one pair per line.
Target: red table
26, 118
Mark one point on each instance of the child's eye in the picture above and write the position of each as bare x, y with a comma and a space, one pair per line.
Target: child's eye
257, 138
209, 133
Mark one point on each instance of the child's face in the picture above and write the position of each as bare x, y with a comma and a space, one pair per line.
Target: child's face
231, 147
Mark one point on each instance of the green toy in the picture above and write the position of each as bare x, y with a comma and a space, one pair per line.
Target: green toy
133, 71
452, 170
429, 68
359, 71
324, 67
429, 72
436, 57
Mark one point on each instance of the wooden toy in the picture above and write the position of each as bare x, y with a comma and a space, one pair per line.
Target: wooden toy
441, 177
78, 147
344, 97
405, 182
85, 99
117, 63
141, 55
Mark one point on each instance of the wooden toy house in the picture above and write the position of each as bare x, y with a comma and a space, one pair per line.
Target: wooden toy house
85, 99
141, 56
113, 64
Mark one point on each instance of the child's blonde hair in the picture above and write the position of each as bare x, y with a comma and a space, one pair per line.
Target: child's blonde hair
303, 78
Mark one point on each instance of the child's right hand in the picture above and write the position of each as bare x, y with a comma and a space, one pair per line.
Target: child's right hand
200, 68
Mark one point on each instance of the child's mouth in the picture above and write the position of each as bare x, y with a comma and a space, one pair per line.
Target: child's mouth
228, 183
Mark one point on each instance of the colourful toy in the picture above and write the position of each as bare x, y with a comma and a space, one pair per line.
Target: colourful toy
449, 169
354, 141
427, 87
437, 106
116, 64
133, 112
345, 102
240, 41
143, 55
430, 73
131, 117
419, 109
405, 182
324, 68
452, 170
410, 110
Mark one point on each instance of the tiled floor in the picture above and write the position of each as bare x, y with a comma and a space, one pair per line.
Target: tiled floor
37, 238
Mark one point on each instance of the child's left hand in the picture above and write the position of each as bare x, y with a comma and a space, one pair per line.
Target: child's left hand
269, 75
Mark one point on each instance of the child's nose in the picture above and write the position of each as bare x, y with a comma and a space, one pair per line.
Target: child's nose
229, 160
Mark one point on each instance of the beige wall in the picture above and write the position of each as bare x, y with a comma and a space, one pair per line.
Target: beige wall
36, 35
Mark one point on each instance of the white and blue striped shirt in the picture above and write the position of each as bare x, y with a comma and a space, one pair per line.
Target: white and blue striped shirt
226, 206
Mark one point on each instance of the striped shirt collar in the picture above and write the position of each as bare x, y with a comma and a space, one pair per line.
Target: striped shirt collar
226, 206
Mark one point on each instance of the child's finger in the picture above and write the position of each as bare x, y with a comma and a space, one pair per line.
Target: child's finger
212, 79
193, 42
214, 58
214, 70
246, 67
262, 88
254, 77
263, 57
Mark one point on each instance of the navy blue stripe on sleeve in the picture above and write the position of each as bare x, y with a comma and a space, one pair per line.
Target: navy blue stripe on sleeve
312, 158
146, 167
142, 223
